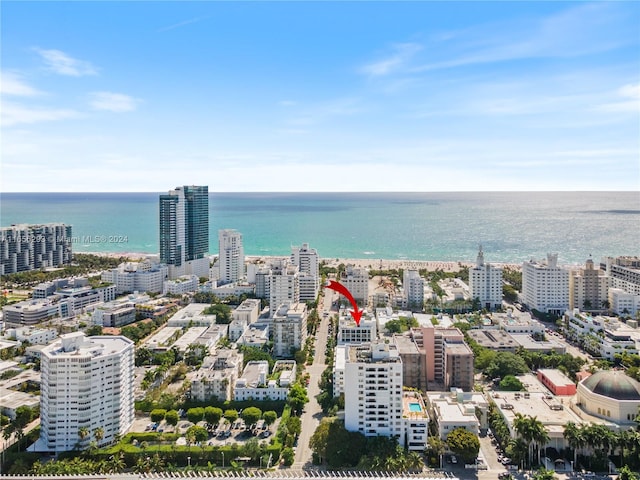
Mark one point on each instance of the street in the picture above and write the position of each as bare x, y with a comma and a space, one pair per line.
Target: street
313, 413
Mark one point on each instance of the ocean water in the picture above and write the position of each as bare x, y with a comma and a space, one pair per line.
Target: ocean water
511, 226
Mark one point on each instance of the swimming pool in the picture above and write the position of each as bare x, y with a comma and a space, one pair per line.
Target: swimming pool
415, 407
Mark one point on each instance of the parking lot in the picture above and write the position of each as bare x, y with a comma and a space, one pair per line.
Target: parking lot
224, 433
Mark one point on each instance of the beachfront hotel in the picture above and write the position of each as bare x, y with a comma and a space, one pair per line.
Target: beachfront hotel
545, 286
86, 382
31, 247
184, 231
485, 283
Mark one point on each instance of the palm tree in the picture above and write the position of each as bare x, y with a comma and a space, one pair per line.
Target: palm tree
98, 434
522, 426
539, 434
575, 438
83, 433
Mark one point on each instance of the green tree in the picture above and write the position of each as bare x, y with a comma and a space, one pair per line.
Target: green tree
221, 311
297, 398
195, 415
212, 414
625, 473
83, 433
158, 414
288, 455
511, 383
269, 417
251, 415
464, 443
172, 417
198, 433
506, 363
544, 474
231, 415
320, 439
98, 434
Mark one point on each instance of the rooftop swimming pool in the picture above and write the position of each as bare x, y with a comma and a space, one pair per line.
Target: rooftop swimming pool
415, 407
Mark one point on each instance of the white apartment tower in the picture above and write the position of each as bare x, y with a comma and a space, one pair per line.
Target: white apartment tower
545, 286
357, 282
289, 327
308, 263
86, 382
231, 260
485, 283
284, 286
373, 390
413, 285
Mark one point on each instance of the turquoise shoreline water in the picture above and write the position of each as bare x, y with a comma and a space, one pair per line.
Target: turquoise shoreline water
511, 226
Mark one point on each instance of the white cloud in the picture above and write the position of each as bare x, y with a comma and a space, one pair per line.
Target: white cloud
181, 24
583, 30
402, 53
630, 102
113, 102
63, 64
12, 84
14, 114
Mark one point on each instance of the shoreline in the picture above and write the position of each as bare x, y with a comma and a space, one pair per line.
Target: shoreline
370, 263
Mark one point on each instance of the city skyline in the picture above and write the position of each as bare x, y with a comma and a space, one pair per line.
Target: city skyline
416, 96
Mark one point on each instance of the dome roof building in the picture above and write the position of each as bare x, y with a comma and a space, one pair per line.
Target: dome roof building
611, 395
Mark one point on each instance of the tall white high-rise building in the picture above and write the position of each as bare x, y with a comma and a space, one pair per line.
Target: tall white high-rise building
545, 286
373, 390
308, 263
87, 382
231, 260
413, 287
485, 283
284, 286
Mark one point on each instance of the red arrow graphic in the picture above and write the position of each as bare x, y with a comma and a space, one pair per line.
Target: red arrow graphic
338, 287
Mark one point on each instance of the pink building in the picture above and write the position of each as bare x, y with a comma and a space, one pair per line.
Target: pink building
556, 381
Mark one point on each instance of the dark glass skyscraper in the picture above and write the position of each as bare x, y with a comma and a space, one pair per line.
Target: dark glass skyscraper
197, 221
184, 225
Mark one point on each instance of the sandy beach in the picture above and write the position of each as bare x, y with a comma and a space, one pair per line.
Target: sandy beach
370, 263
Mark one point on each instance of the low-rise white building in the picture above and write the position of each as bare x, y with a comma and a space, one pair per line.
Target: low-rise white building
144, 276
624, 303
351, 333
216, 377
181, 285
457, 409
192, 316
34, 336
600, 336
255, 335
255, 384
518, 322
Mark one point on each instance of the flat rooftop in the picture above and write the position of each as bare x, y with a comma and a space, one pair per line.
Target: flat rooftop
556, 376
160, 339
553, 412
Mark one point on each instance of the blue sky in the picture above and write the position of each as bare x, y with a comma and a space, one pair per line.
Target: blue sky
326, 96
